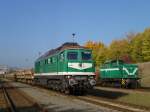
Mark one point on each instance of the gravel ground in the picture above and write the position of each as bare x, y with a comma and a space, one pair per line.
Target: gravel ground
55, 102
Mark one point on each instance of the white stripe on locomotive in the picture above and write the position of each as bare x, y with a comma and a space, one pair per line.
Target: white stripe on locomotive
64, 73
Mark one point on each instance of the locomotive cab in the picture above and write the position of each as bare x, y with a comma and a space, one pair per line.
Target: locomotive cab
80, 65
79, 61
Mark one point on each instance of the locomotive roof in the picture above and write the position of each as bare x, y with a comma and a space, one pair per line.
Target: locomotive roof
115, 60
67, 45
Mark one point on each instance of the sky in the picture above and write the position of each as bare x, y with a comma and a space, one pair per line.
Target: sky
28, 27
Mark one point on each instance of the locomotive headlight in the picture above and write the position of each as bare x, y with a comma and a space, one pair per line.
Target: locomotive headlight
92, 82
68, 76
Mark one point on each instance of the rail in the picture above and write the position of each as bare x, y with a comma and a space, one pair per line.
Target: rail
17, 100
9, 100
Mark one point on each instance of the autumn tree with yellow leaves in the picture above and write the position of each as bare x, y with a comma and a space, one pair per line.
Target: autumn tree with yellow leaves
134, 47
99, 51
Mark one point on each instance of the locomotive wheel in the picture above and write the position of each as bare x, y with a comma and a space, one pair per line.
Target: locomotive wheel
62, 90
67, 92
132, 84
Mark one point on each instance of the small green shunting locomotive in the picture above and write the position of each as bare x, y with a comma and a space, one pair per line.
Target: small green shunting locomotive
120, 74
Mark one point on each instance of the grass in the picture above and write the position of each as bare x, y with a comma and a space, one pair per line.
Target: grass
136, 98
124, 96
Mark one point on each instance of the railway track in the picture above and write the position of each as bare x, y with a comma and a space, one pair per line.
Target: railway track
6, 103
3, 102
143, 89
11, 106
13, 100
123, 89
103, 102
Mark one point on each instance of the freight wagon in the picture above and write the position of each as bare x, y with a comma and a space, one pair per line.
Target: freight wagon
119, 73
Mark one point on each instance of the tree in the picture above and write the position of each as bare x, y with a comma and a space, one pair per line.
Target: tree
146, 45
118, 49
89, 44
101, 51
98, 50
136, 48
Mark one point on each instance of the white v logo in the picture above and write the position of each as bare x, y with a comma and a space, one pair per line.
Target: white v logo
125, 69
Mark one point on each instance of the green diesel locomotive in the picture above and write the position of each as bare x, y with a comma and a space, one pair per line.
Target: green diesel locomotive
68, 68
119, 73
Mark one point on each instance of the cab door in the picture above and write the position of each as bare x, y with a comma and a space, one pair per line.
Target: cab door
61, 62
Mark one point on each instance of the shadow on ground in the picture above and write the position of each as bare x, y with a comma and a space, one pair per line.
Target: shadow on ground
106, 93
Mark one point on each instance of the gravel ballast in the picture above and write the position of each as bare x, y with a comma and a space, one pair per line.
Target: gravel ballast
54, 102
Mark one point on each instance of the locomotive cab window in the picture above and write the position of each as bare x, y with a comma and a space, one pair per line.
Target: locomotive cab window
54, 60
49, 60
61, 57
86, 56
114, 64
72, 56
